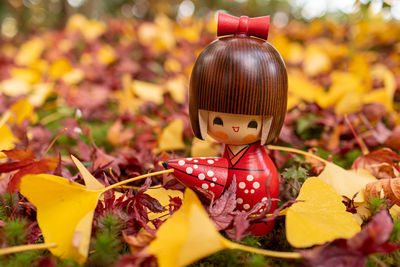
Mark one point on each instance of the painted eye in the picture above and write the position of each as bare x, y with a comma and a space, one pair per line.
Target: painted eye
252, 124
218, 121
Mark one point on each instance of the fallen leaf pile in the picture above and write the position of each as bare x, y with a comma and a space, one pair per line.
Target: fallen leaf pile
88, 107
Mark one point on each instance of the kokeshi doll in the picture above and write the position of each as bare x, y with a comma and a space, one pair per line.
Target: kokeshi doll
238, 96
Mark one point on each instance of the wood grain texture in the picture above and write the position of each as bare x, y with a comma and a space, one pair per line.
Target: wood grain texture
239, 75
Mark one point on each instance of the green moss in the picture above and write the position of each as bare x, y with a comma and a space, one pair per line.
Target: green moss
21, 259
15, 232
107, 243
68, 263
376, 204
395, 235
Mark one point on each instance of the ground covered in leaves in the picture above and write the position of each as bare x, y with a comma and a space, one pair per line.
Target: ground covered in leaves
113, 94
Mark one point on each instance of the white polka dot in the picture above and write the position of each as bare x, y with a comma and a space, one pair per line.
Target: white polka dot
261, 210
195, 166
250, 177
201, 176
210, 173
204, 186
242, 185
189, 159
256, 185
189, 170
210, 161
216, 159
252, 191
212, 184
239, 200
246, 191
246, 206
214, 179
195, 160
181, 162
264, 199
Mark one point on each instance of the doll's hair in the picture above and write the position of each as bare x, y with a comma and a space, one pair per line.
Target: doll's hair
239, 75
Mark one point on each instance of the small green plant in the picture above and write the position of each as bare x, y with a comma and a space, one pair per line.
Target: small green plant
15, 232
107, 242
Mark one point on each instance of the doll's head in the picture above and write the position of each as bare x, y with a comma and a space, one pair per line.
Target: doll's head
238, 91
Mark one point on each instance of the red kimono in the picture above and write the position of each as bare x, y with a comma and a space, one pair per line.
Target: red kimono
256, 178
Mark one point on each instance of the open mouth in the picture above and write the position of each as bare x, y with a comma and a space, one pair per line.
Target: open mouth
235, 129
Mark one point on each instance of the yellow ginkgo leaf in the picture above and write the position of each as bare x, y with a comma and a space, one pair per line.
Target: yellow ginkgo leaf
59, 68
64, 213
90, 181
316, 61
106, 55
346, 183
187, 236
27, 75
206, 148
22, 110
162, 195
171, 136
30, 52
177, 88
127, 101
148, 91
395, 212
7, 140
190, 235
322, 217
14, 87
40, 93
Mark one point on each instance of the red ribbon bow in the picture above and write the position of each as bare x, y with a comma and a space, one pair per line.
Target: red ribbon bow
257, 27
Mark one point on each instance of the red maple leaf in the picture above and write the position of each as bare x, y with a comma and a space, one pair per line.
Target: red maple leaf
25, 162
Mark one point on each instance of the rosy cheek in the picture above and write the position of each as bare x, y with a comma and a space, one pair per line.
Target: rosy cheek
221, 135
249, 138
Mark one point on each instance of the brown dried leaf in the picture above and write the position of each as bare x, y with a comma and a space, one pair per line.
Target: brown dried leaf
389, 188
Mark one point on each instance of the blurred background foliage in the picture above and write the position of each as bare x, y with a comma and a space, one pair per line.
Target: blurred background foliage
22, 16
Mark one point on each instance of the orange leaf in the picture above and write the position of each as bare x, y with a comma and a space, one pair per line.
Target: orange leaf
35, 167
19, 154
389, 188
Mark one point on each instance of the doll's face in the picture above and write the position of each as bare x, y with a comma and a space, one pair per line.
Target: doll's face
234, 129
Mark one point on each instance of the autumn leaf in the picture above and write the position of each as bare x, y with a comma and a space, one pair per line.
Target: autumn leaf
171, 136
190, 235
205, 148
62, 204
7, 140
148, 91
59, 68
346, 183
322, 217
64, 213
22, 109
388, 188
373, 238
380, 163
30, 51
24, 162
163, 196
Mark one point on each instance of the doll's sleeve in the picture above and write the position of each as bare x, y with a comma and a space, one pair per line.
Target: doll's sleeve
201, 174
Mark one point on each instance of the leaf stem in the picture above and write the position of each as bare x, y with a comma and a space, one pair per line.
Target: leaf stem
269, 253
360, 142
22, 248
52, 143
136, 179
298, 151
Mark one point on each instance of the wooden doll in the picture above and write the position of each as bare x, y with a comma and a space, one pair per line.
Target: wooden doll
238, 96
